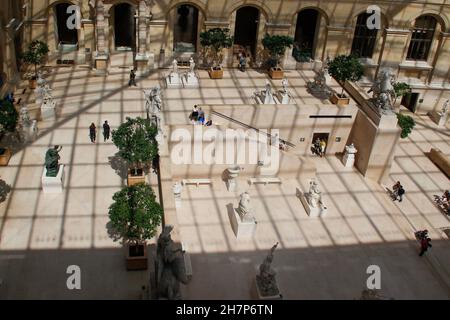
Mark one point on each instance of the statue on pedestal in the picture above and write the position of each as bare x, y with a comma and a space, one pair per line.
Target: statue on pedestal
349, 155
266, 280
444, 110
52, 158
245, 209
25, 116
169, 267
174, 66
191, 66
177, 189
383, 91
319, 86
314, 195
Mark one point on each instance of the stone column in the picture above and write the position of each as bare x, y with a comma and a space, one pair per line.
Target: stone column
142, 57
101, 55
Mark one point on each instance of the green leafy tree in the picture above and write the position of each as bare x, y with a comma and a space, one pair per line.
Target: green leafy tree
136, 142
215, 40
135, 215
35, 54
8, 117
276, 45
406, 123
401, 89
345, 68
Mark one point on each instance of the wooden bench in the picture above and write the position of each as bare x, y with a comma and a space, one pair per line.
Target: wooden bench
441, 160
197, 182
264, 181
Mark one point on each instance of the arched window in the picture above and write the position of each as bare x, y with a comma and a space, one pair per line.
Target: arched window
422, 37
364, 38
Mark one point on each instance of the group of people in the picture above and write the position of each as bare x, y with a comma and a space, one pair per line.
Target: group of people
197, 116
93, 132
319, 147
397, 192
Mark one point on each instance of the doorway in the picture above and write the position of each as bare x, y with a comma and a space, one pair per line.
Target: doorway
66, 36
185, 33
246, 29
409, 101
306, 34
320, 136
124, 27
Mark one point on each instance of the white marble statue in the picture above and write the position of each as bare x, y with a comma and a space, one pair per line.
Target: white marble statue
191, 65
177, 189
314, 194
25, 116
319, 87
268, 95
383, 91
284, 83
245, 208
174, 66
349, 155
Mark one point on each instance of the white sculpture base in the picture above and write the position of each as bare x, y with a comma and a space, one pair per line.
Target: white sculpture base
243, 229
48, 112
438, 118
190, 81
231, 185
284, 97
53, 184
177, 201
173, 81
313, 212
348, 160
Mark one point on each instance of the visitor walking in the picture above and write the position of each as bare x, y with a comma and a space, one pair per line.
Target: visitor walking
93, 132
242, 61
323, 146
316, 147
106, 131
424, 245
397, 192
194, 115
132, 78
401, 192
201, 116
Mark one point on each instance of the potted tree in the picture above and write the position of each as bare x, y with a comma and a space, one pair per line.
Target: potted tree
35, 55
8, 122
276, 45
406, 123
344, 68
135, 216
214, 41
136, 142
400, 89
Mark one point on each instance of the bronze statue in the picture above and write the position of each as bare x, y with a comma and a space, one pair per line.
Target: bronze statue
266, 279
52, 161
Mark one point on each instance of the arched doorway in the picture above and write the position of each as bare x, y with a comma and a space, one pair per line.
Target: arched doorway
246, 28
307, 38
124, 27
185, 29
66, 38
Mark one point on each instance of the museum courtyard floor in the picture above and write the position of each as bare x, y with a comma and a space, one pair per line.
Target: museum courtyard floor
317, 258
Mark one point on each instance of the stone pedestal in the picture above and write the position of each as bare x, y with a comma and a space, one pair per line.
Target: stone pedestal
48, 111
320, 211
53, 184
231, 175
242, 228
142, 63
438, 117
260, 296
190, 80
173, 81
101, 63
348, 160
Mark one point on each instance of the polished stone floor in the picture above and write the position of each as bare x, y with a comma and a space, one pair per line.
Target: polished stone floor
325, 258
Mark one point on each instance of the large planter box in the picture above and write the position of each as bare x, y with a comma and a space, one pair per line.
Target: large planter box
215, 73
136, 179
5, 155
338, 100
137, 257
276, 73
